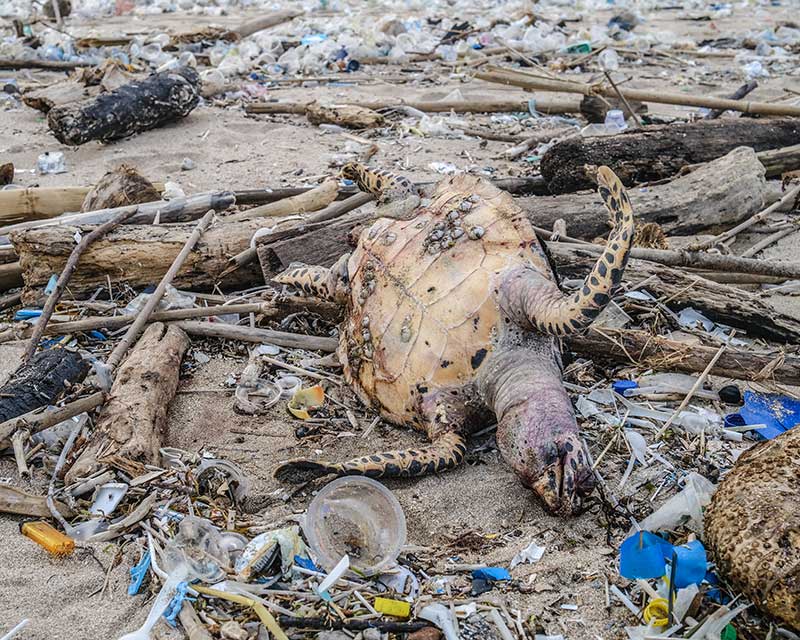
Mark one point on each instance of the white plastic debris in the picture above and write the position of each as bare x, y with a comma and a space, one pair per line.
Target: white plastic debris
442, 617
335, 574
107, 497
532, 553
687, 505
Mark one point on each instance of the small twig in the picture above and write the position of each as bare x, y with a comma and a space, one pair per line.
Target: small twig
622, 97
18, 442
66, 274
141, 320
698, 383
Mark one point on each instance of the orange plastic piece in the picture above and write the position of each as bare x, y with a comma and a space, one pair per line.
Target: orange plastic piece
48, 537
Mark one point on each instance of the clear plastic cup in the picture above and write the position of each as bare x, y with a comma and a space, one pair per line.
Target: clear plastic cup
358, 517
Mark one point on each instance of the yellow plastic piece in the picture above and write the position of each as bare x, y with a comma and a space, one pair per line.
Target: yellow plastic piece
657, 612
304, 399
396, 608
48, 537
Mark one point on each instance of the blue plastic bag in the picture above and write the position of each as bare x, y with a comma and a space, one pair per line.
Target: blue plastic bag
780, 413
642, 556
491, 574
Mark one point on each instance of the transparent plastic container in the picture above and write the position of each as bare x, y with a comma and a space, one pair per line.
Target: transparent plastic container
358, 517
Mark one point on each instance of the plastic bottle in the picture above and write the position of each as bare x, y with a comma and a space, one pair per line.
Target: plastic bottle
608, 60
615, 117
51, 162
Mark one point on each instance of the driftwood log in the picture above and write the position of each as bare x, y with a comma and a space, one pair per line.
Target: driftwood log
643, 349
697, 201
40, 381
680, 289
132, 422
658, 152
133, 108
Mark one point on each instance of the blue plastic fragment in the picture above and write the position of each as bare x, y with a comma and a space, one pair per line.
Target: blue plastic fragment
778, 412
138, 573
51, 284
27, 314
175, 605
734, 420
645, 555
97, 335
621, 386
642, 556
305, 563
313, 38
492, 574
691, 564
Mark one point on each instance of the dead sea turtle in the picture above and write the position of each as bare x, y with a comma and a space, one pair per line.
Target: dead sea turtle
452, 309
753, 526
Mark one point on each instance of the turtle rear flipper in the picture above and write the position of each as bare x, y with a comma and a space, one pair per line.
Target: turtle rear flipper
446, 452
384, 185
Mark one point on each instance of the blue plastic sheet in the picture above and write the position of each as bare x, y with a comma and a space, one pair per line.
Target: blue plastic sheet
691, 564
305, 563
780, 413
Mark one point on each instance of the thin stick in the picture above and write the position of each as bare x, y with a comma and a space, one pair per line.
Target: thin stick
40, 419
770, 239
18, 442
789, 196
141, 320
624, 99
66, 274
697, 384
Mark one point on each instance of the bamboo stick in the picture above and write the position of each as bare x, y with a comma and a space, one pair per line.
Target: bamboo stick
504, 105
318, 198
500, 75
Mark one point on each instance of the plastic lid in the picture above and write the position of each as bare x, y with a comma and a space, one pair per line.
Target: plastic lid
358, 517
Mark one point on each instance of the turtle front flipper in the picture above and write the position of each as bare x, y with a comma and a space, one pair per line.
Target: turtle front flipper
534, 301
384, 185
321, 282
446, 452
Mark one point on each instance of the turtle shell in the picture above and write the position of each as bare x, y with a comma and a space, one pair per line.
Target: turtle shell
422, 313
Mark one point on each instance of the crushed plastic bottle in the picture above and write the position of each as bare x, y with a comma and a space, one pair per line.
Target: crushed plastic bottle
51, 162
608, 60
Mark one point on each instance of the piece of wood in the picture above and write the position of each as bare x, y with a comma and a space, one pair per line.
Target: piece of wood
136, 255
679, 289
648, 351
6, 173
63, 279
500, 105
133, 421
13, 500
58, 94
120, 187
331, 212
501, 75
175, 210
133, 108
142, 317
10, 276
281, 307
779, 161
313, 200
38, 63
343, 115
249, 334
42, 418
194, 628
40, 382
658, 152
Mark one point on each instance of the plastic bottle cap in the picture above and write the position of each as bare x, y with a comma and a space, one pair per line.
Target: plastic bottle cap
620, 386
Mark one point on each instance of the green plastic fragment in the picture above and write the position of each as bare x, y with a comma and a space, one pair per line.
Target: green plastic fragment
728, 633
